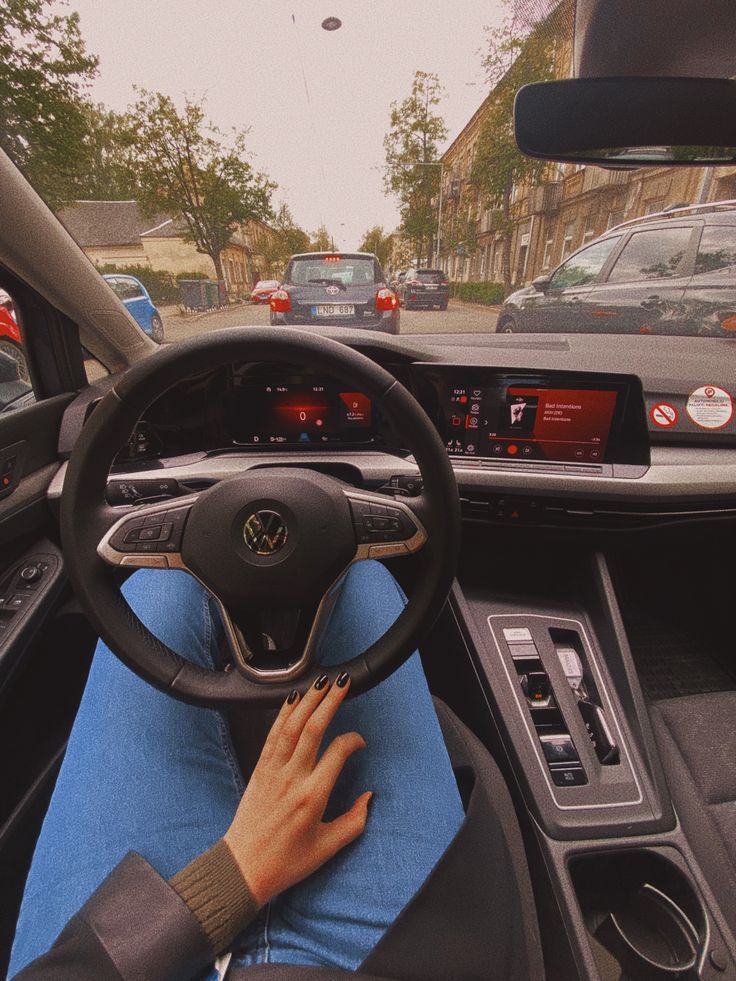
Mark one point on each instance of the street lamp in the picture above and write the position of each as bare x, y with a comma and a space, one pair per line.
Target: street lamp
436, 163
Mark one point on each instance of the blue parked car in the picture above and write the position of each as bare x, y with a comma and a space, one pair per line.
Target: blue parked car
135, 297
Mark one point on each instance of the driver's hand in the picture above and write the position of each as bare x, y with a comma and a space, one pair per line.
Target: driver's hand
277, 836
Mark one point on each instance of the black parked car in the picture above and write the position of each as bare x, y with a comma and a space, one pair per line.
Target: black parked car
667, 273
336, 288
424, 288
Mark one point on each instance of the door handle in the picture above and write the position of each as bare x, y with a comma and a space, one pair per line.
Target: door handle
652, 302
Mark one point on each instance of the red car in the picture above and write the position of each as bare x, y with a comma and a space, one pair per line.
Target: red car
263, 289
10, 340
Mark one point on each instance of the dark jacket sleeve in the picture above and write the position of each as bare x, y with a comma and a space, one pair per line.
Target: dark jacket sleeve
135, 927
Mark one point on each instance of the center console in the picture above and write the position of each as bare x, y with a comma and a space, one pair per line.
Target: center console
616, 875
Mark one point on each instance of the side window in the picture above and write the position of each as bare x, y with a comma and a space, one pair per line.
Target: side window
584, 266
15, 383
117, 285
654, 254
131, 290
717, 249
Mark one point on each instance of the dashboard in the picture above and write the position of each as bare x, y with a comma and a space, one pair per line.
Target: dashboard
538, 428
482, 415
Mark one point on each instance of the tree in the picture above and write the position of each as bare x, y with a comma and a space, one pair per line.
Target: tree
378, 243
106, 169
321, 240
288, 239
183, 165
44, 74
513, 59
411, 144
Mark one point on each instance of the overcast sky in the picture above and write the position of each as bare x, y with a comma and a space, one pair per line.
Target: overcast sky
246, 57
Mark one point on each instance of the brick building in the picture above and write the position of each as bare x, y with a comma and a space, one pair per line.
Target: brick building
567, 207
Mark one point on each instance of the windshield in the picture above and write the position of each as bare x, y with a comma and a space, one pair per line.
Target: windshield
191, 176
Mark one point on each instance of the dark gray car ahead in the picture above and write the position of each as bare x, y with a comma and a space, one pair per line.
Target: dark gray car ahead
425, 288
336, 288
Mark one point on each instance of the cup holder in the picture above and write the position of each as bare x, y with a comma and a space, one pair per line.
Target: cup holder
643, 911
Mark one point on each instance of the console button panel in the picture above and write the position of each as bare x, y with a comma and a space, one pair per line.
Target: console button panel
566, 711
19, 589
557, 745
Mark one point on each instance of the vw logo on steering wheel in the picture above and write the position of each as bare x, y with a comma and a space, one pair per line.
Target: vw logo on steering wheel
265, 532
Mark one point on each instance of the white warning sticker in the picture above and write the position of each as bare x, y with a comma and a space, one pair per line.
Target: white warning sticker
710, 407
663, 414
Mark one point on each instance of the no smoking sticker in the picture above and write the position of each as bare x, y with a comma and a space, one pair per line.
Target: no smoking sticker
663, 414
710, 407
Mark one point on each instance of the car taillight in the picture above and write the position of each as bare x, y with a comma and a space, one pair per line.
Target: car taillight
729, 322
280, 301
386, 300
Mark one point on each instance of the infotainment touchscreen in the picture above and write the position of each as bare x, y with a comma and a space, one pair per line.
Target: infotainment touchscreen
538, 418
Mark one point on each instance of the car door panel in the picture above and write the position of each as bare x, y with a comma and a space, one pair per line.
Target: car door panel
709, 304
649, 297
563, 306
35, 429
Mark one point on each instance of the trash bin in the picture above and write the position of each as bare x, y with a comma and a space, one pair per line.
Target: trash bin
193, 294
212, 293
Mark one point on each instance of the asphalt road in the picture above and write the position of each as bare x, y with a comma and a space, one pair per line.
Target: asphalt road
458, 318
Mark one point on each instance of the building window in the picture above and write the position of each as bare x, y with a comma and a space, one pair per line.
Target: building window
615, 218
547, 258
567, 239
589, 232
654, 206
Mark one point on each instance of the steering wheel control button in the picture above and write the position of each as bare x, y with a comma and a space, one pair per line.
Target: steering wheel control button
568, 776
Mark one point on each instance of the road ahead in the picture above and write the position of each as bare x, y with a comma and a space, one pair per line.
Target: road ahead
459, 317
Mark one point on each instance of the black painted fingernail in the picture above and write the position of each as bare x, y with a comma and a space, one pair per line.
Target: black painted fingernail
342, 679
293, 697
321, 682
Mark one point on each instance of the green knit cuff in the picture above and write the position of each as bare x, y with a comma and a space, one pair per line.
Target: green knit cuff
214, 889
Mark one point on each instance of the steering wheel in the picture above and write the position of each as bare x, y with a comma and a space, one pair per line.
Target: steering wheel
270, 545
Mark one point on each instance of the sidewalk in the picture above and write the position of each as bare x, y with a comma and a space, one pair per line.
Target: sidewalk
174, 311
494, 308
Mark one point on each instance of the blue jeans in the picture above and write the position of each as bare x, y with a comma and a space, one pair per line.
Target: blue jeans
147, 773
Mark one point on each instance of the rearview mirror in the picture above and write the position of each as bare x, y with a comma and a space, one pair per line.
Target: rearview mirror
541, 283
629, 121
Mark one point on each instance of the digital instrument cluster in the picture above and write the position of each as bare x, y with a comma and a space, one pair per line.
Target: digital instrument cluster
273, 412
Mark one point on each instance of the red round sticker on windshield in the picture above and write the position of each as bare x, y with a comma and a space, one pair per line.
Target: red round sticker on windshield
664, 415
710, 407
